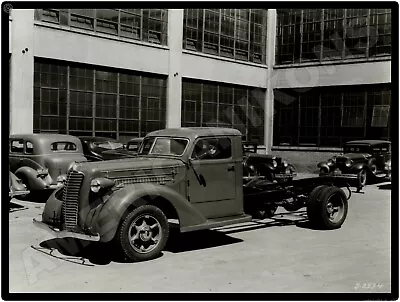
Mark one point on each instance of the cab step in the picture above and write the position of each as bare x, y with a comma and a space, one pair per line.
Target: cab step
218, 222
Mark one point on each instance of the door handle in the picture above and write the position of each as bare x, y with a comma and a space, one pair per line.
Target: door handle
231, 169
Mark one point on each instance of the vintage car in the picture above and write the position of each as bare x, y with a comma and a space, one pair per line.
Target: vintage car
271, 166
16, 187
368, 159
133, 145
41, 160
96, 148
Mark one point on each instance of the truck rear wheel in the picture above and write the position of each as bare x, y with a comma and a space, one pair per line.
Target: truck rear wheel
327, 207
143, 233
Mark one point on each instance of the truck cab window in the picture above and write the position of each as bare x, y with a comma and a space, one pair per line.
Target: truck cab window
212, 148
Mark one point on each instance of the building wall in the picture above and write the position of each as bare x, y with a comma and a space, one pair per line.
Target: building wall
332, 75
79, 46
246, 49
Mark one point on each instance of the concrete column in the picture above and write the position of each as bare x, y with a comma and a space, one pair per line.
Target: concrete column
21, 94
269, 96
174, 89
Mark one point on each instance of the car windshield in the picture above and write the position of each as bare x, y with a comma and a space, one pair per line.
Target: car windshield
357, 149
108, 145
163, 146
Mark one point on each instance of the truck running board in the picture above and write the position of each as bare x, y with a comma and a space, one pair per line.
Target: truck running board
218, 222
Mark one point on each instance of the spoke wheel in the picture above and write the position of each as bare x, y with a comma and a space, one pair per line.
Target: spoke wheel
143, 233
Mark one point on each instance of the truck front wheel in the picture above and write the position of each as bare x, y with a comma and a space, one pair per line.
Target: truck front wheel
327, 208
143, 233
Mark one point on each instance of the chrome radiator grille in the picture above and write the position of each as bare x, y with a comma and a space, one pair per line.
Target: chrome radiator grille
70, 199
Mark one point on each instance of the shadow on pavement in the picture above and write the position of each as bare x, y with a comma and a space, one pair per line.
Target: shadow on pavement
81, 252
198, 240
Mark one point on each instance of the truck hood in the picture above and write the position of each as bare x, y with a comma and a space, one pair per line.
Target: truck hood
129, 166
116, 154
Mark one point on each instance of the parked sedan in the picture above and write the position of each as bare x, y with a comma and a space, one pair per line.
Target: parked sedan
96, 148
271, 166
41, 160
367, 159
16, 187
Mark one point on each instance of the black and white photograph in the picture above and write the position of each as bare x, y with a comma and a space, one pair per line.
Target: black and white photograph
217, 151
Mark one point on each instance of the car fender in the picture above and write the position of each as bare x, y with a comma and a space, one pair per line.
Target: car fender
31, 177
113, 210
357, 167
323, 165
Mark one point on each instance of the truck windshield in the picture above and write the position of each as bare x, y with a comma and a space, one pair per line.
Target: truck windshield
163, 146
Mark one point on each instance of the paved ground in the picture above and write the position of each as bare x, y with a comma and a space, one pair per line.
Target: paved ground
272, 255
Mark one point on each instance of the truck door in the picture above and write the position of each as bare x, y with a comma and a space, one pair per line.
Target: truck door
213, 190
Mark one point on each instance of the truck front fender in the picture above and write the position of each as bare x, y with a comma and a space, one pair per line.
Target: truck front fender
108, 218
30, 177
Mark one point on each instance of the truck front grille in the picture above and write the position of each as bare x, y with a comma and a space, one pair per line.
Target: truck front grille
70, 200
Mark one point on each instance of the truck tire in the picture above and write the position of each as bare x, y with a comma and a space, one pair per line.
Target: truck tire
327, 208
143, 233
312, 212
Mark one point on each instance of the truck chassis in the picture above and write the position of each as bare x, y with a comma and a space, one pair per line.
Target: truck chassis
326, 202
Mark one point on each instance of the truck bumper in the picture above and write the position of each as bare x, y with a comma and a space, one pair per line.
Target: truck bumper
63, 234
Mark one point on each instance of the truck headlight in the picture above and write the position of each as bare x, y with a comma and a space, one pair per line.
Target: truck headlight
274, 163
95, 185
285, 163
349, 162
101, 183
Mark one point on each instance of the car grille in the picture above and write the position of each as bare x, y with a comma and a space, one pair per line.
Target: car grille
341, 161
70, 200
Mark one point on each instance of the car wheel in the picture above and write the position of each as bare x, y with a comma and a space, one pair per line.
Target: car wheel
329, 207
362, 178
143, 233
267, 212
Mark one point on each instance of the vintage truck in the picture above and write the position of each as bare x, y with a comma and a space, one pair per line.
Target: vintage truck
192, 177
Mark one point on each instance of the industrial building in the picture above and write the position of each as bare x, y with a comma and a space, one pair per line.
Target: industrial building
290, 79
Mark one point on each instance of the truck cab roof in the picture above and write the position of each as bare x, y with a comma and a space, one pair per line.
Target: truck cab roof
195, 132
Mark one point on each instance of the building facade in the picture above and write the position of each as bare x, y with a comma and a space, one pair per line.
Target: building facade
292, 79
